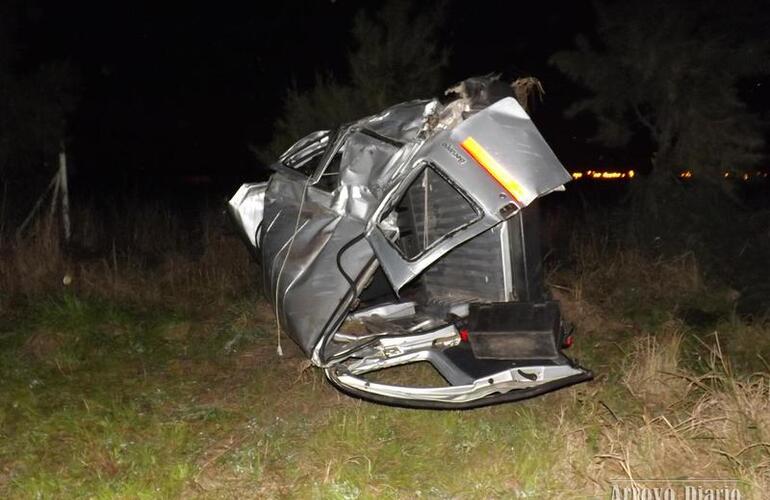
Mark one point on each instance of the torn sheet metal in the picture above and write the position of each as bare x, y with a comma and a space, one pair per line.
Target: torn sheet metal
250, 203
371, 216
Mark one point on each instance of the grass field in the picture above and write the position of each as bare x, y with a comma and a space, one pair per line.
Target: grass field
177, 392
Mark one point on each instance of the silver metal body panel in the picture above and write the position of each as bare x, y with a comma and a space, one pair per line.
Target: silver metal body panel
498, 383
506, 131
323, 232
247, 207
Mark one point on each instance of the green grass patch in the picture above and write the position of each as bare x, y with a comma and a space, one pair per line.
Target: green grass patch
108, 400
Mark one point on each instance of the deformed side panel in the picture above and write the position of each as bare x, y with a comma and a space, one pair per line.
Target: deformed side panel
507, 133
507, 136
311, 292
303, 278
247, 207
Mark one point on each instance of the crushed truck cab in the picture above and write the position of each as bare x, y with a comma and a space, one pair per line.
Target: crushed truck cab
411, 236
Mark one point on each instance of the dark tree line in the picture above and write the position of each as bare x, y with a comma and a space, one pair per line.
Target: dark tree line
671, 73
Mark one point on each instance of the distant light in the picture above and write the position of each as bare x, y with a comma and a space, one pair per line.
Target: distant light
604, 174
611, 175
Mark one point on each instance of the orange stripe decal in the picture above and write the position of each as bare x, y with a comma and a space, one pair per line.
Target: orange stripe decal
494, 169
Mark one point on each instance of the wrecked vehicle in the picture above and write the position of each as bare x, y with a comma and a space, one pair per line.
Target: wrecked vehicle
404, 238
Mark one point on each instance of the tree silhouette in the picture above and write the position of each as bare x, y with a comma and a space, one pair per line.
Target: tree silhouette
396, 57
671, 72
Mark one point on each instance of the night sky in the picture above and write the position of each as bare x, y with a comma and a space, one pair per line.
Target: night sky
185, 89
177, 90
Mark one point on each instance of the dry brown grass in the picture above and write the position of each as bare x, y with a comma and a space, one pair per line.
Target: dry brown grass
600, 267
666, 404
607, 289
692, 426
153, 259
652, 412
31, 261
652, 372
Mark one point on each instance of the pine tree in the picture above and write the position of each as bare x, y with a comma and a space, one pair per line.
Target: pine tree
671, 72
395, 57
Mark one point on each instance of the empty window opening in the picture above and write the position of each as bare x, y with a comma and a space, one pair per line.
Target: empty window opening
430, 210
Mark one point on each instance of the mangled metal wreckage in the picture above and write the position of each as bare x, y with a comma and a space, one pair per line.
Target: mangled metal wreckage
404, 238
